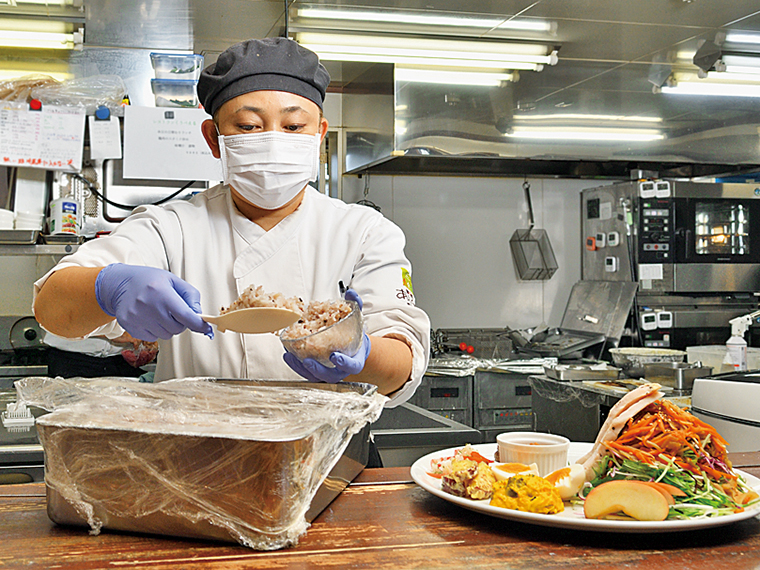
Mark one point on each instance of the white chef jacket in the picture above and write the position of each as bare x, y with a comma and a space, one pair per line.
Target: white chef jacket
207, 242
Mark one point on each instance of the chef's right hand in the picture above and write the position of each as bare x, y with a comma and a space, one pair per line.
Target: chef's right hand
149, 303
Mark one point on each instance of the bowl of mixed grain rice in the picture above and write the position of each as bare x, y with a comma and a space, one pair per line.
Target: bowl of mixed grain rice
326, 327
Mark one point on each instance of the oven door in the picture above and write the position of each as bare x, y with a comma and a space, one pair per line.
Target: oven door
717, 244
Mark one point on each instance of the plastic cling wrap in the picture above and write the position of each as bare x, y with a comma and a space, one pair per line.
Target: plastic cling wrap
230, 460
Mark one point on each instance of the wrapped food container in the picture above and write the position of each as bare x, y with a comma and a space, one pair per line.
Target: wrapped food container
235, 460
177, 65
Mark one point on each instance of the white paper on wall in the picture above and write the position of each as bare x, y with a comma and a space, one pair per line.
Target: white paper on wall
50, 138
163, 143
105, 137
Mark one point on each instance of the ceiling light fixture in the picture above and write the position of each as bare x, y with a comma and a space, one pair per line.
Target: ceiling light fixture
742, 38
427, 19
589, 117
43, 40
587, 134
452, 77
429, 52
37, 33
74, 3
6, 74
715, 84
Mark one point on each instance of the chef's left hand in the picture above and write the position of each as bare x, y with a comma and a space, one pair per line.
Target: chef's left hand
345, 365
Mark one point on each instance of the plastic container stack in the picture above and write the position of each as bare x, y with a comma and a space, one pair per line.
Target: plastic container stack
177, 75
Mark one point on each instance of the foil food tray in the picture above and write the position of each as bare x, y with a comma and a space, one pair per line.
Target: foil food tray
169, 459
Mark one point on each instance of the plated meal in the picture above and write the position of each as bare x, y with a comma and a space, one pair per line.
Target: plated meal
653, 467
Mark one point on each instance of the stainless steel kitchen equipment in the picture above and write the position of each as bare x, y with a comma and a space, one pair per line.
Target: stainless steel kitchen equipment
678, 375
633, 359
728, 402
21, 455
446, 395
407, 432
574, 372
596, 312
502, 402
691, 248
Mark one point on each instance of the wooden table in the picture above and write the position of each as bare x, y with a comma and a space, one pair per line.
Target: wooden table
381, 521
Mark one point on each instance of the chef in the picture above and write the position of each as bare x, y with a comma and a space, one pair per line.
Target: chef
164, 265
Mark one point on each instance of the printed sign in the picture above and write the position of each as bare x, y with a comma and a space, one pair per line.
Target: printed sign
162, 143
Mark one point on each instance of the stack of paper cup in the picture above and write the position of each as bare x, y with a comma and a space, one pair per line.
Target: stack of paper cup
6, 219
29, 221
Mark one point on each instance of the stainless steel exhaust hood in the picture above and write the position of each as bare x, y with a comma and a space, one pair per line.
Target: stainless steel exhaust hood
613, 103
399, 127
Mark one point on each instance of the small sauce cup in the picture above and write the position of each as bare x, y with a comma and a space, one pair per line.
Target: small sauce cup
546, 450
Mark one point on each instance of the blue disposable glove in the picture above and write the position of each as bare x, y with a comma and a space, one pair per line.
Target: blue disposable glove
149, 303
345, 365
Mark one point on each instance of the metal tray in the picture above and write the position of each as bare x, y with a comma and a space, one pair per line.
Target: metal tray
19, 237
574, 372
62, 238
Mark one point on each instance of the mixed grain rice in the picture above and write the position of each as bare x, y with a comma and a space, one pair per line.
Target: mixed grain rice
319, 315
255, 296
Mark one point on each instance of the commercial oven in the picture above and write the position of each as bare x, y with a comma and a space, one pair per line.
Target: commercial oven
693, 248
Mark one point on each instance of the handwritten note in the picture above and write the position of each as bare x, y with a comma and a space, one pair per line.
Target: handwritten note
167, 144
51, 138
105, 137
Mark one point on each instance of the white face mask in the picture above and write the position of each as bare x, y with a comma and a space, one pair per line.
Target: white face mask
269, 169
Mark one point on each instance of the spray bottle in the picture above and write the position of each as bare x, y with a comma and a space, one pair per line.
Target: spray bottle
736, 346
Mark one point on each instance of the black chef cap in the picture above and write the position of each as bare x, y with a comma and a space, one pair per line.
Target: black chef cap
276, 64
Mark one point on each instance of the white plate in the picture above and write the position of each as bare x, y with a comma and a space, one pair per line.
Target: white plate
572, 517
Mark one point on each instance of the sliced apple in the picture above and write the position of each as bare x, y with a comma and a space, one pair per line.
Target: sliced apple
635, 499
672, 489
660, 489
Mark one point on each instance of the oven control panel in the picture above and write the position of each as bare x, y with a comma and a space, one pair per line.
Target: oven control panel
656, 230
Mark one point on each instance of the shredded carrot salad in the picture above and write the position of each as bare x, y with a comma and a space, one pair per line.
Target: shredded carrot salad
664, 429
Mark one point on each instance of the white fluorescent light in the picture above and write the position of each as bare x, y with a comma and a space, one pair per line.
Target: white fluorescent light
590, 134
589, 117
6, 74
719, 84
75, 3
450, 77
427, 52
45, 40
742, 38
713, 89
426, 19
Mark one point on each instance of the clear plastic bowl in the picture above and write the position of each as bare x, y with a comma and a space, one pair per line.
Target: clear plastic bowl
174, 92
546, 450
344, 336
177, 65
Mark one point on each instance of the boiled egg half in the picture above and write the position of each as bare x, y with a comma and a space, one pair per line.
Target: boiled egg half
568, 480
504, 471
